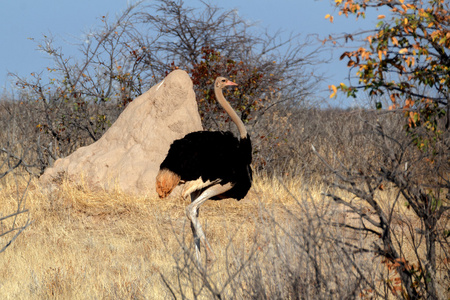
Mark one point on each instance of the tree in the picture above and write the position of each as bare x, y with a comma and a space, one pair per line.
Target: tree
407, 58
400, 203
210, 41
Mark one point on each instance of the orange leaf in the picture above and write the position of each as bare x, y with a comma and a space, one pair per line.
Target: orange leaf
381, 16
334, 91
394, 41
408, 103
393, 97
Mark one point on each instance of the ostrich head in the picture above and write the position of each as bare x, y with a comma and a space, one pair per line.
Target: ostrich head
222, 82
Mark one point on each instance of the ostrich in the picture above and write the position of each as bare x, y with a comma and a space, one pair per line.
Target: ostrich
212, 164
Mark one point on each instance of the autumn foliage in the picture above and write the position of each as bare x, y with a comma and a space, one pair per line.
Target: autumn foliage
407, 59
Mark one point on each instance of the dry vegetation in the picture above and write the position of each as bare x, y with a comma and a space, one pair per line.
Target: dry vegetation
98, 245
345, 204
285, 240
84, 244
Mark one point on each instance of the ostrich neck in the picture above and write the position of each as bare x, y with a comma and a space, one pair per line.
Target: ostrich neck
230, 111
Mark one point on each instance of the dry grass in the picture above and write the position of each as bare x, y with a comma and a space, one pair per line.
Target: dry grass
108, 245
100, 245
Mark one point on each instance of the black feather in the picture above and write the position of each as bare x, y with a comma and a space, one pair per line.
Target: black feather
213, 155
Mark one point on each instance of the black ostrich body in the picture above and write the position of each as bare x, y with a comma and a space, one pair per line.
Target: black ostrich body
213, 155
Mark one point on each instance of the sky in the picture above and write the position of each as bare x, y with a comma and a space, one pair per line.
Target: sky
23, 22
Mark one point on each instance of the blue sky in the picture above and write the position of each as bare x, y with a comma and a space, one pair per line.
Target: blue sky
23, 20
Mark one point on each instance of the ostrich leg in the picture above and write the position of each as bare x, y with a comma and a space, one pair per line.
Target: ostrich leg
195, 195
192, 214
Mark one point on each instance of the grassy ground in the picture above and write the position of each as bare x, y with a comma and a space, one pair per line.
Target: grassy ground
107, 245
100, 245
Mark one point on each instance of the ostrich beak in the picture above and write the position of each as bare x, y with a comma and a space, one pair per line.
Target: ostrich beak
230, 83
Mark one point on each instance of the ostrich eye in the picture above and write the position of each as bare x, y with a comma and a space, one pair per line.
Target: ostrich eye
223, 80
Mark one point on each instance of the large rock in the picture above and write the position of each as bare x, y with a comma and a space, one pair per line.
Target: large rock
129, 154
